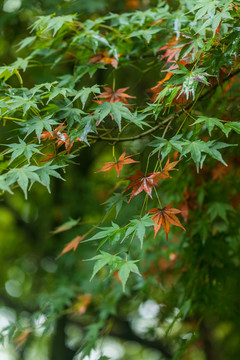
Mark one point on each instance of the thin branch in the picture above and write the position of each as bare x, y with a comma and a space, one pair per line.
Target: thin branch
167, 120
130, 138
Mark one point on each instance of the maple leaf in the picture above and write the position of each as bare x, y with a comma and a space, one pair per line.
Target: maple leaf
49, 135
118, 165
220, 170
141, 182
63, 139
103, 57
109, 95
60, 137
72, 245
180, 97
164, 217
157, 88
172, 51
169, 167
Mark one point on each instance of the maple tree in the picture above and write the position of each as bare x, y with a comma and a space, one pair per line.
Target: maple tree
155, 80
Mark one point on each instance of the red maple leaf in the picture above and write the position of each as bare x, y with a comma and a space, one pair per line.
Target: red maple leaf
172, 51
141, 182
72, 245
49, 135
118, 165
109, 95
164, 217
60, 137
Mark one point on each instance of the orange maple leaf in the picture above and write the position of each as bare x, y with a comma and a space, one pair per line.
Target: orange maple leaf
72, 245
103, 57
178, 99
158, 88
118, 165
164, 217
169, 167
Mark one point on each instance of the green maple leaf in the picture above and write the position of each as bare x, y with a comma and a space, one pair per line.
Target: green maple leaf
105, 259
167, 146
85, 92
44, 173
138, 226
125, 270
116, 200
111, 233
22, 176
3, 184
211, 123
37, 124
22, 149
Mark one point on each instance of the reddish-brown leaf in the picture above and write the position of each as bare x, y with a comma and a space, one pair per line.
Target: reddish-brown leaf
141, 182
132, 4
220, 170
118, 165
50, 135
172, 51
72, 245
109, 95
164, 217
189, 203
61, 138
184, 206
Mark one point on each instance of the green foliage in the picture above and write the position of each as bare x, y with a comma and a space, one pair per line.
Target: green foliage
160, 82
